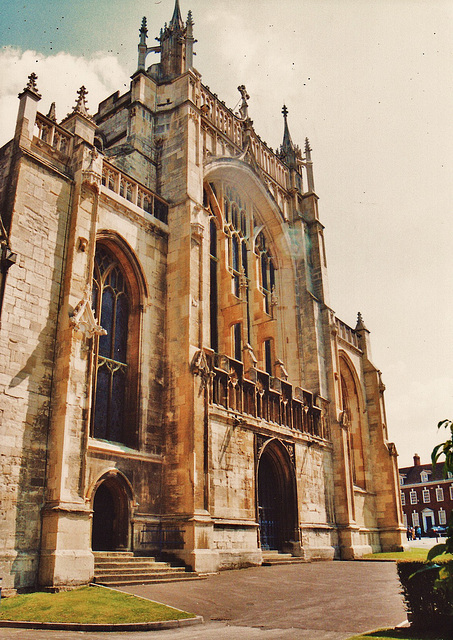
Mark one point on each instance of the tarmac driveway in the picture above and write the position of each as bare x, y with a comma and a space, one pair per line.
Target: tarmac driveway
338, 597
317, 601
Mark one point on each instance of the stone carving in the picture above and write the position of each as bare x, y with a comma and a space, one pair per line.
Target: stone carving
83, 319
200, 366
261, 441
92, 170
290, 448
197, 231
31, 84
243, 109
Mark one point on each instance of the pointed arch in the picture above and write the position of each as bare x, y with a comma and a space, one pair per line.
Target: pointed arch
276, 496
111, 499
240, 174
238, 197
119, 246
353, 411
119, 292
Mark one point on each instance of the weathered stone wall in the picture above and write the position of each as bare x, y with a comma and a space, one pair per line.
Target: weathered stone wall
27, 341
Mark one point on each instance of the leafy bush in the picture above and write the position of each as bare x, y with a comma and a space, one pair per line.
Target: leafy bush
428, 607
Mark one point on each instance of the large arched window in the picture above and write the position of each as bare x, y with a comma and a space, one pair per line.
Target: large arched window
352, 418
112, 305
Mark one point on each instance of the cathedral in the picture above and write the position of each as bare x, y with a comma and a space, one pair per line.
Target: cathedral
173, 379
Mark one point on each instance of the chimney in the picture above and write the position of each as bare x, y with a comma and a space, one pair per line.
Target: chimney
416, 460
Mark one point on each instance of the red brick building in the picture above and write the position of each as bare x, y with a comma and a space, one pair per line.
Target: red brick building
426, 496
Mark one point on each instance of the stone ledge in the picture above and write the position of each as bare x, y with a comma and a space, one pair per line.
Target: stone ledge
73, 626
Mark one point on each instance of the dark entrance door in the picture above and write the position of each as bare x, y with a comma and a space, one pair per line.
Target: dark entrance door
269, 505
103, 536
276, 498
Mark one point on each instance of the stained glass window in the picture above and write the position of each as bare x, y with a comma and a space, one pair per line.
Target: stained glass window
111, 307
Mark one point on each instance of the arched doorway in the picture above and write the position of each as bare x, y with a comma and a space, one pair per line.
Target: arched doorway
110, 529
276, 497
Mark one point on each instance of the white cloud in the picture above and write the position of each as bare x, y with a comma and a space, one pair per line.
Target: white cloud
59, 78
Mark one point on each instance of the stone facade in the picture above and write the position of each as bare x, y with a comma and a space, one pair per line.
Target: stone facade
172, 375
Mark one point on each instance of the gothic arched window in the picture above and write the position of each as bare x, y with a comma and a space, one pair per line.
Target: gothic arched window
111, 304
267, 270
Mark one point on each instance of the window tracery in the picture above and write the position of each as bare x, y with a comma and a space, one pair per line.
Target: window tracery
111, 304
267, 272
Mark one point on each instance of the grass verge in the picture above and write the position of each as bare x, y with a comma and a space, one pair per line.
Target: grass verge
415, 553
396, 634
86, 605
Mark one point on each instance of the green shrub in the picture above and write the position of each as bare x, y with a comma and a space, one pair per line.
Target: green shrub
428, 608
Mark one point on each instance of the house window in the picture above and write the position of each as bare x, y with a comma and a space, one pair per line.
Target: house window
439, 494
451, 492
442, 516
404, 519
449, 474
401, 480
111, 304
424, 476
403, 499
426, 496
413, 497
415, 519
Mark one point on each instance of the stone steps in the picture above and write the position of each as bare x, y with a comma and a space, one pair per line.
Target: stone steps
116, 568
277, 557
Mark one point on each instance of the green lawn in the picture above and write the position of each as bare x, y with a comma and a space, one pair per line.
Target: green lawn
415, 553
86, 605
396, 634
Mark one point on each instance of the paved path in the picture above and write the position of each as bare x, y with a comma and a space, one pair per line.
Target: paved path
317, 601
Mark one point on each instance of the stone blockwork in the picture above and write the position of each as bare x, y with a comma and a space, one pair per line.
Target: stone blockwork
173, 379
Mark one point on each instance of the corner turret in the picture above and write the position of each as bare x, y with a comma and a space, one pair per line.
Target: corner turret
175, 47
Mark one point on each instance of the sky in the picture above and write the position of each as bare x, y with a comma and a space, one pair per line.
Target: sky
369, 82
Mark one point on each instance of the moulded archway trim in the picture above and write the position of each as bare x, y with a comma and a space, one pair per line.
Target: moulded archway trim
110, 474
111, 503
243, 177
276, 495
348, 365
117, 244
353, 390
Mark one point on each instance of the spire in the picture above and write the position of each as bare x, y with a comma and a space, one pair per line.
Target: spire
190, 41
32, 86
360, 326
309, 166
142, 47
174, 41
143, 31
287, 142
81, 103
288, 152
52, 115
176, 20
